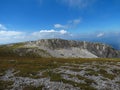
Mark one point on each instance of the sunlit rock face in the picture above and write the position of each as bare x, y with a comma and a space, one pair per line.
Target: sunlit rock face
70, 48
60, 48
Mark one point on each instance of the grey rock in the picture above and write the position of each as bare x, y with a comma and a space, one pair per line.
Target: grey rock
61, 48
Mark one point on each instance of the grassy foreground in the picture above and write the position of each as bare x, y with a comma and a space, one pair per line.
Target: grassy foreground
33, 65
29, 67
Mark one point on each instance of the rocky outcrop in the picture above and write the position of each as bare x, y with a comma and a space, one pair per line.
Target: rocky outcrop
71, 48
64, 49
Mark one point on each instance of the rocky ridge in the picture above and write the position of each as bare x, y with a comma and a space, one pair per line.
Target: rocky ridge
61, 48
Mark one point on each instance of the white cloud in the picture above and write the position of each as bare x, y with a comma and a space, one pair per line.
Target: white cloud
2, 27
63, 32
52, 31
47, 31
10, 36
59, 26
78, 3
70, 24
100, 35
9, 33
50, 34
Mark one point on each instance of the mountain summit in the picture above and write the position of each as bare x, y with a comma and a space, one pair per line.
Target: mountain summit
59, 48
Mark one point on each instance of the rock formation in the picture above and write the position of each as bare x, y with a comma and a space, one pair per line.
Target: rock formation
61, 48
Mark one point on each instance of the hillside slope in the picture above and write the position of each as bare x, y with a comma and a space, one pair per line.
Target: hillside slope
59, 48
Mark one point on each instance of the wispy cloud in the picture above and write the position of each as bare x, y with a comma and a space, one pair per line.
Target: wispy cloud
2, 27
73, 23
100, 34
60, 26
76, 21
78, 3
69, 24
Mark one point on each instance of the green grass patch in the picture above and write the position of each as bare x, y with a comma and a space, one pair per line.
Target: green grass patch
76, 69
106, 75
6, 85
80, 85
91, 72
33, 88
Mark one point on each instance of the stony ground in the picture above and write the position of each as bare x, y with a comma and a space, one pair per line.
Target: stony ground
75, 75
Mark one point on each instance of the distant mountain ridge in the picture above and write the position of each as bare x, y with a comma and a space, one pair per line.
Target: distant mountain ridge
60, 48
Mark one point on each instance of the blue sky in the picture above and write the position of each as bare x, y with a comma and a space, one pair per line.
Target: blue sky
91, 20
